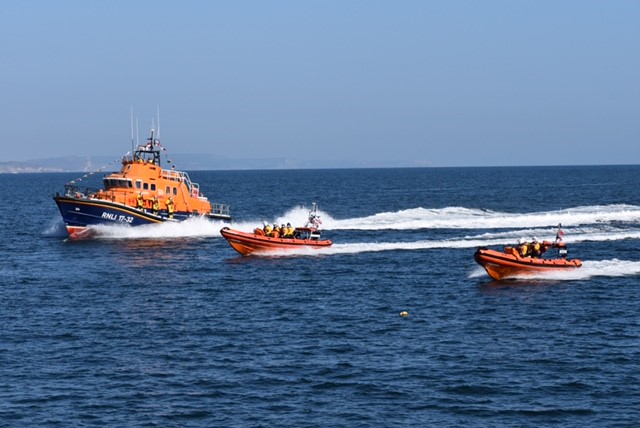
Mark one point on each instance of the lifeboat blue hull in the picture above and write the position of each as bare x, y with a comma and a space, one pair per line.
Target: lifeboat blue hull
80, 213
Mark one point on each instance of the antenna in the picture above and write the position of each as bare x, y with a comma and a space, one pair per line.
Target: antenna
133, 148
152, 137
158, 114
137, 133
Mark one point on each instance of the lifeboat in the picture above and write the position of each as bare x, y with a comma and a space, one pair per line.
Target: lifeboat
509, 263
141, 193
308, 236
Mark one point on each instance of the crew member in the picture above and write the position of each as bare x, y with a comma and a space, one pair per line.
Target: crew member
289, 231
140, 201
523, 248
268, 230
170, 207
156, 205
535, 248
544, 247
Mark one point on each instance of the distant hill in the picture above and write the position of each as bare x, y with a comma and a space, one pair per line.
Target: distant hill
183, 162
22, 167
61, 164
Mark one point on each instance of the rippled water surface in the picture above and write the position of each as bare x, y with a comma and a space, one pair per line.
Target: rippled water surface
168, 326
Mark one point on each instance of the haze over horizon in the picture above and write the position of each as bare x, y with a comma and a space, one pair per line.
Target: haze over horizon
412, 83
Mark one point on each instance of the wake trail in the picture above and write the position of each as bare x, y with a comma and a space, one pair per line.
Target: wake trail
598, 225
200, 227
475, 242
191, 228
470, 218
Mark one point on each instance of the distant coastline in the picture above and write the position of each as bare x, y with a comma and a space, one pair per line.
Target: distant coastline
188, 162
24, 168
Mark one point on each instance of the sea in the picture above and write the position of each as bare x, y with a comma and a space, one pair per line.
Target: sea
167, 326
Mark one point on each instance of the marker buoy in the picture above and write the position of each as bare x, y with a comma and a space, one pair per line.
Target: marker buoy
404, 314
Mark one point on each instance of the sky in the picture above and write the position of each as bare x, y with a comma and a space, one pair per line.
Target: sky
374, 83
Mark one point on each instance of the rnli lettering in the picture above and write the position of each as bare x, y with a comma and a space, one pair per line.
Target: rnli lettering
118, 218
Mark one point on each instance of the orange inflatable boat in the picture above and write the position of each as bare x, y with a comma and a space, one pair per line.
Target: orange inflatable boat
258, 241
247, 243
510, 263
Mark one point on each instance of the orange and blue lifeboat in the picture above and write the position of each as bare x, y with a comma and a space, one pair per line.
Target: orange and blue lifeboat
141, 193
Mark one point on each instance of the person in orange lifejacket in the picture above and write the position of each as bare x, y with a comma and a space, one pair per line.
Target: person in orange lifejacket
156, 205
170, 207
140, 201
276, 231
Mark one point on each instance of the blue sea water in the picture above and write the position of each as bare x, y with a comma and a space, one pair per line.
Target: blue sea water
168, 326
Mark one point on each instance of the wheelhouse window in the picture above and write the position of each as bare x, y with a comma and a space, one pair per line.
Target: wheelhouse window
303, 234
175, 191
138, 184
110, 183
145, 186
153, 186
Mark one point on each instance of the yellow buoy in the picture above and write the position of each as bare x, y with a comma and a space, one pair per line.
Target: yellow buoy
404, 314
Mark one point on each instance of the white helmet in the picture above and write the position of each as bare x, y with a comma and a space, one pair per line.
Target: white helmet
521, 241
535, 239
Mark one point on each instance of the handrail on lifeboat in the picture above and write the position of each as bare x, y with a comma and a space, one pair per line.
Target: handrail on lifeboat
173, 175
75, 191
222, 209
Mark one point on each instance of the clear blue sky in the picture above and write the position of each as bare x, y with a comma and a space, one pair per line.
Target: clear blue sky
433, 83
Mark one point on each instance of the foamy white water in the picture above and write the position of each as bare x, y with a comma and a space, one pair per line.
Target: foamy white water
191, 228
484, 240
595, 226
467, 218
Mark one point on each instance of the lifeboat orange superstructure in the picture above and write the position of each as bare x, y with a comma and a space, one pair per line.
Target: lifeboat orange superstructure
151, 181
142, 192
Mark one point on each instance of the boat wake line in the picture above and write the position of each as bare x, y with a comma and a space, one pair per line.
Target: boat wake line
201, 227
460, 218
471, 218
471, 242
525, 224
191, 228
589, 269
